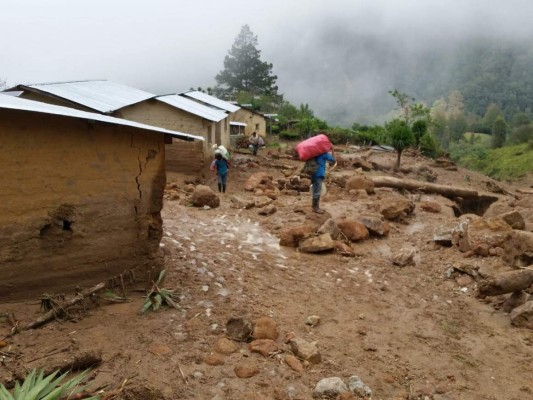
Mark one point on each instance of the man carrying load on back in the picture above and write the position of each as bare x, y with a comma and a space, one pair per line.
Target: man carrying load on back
318, 177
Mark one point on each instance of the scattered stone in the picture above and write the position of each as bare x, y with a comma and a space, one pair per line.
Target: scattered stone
225, 346
483, 234
344, 249
239, 329
358, 387
291, 237
255, 180
330, 226
443, 235
204, 196
330, 387
515, 300
265, 328
294, 363
514, 219
305, 351
353, 230
397, 207
316, 244
268, 210
522, 316
431, 206
214, 359
237, 202
375, 224
246, 369
406, 256
518, 250
265, 347
360, 182
312, 320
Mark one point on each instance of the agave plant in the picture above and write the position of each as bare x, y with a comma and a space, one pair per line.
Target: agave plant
39, 387
157, 296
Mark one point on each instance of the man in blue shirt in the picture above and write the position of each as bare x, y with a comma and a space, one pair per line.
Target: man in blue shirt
318, 177
221, 167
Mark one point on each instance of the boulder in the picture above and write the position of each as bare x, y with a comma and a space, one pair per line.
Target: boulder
431, 206
239, 329
330, 226
225, 346
406, 256
358, 387
484, 234
518, 250
514, 219
330, 387
265, 328
305, 351
265, 347
316, 244
353, 230
396, 207
443, 235
204, 196
246, 369
375, 224
268, 210
290, 237
360, 182
523, 316
255, 180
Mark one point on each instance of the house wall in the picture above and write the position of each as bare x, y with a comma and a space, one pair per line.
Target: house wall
80, 203
182, 157
254, 122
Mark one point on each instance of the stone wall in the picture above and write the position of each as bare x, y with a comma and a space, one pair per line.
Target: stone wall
80, 203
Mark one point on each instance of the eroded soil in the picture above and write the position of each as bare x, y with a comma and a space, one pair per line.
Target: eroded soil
408, 333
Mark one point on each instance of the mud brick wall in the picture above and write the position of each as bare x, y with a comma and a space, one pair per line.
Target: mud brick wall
80, 203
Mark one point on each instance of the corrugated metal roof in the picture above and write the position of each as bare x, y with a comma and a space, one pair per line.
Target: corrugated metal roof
193, 107
99, 95
235, 123
208, 99
15, 103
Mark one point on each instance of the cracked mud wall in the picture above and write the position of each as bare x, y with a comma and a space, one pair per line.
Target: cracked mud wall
189, 158
80, 203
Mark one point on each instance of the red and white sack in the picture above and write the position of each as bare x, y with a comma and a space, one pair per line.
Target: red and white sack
313, 147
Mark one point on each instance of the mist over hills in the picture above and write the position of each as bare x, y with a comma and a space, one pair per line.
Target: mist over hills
348, 79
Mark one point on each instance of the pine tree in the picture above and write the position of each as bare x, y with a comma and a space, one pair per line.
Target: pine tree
244, 71
499, 132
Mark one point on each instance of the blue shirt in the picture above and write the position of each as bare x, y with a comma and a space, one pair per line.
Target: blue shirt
221, 166
321, 161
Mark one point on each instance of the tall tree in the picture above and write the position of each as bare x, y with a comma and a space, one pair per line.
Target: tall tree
244, 71
499, 132
401, 137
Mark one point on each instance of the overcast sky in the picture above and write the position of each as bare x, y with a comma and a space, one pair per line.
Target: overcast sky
165, 46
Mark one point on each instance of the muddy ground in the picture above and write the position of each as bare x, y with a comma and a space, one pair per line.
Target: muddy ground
413, 332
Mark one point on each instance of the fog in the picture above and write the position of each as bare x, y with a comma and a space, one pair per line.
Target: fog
339, 56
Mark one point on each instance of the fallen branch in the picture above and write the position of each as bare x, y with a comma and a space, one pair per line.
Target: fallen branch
410, 184
55, 312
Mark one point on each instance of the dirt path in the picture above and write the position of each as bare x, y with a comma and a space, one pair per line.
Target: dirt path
408, 333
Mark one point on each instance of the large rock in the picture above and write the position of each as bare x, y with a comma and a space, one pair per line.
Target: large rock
255, 180
396, 207
518, 250
459, 235
523, 316
330, 387
290, 237
265, 347
265, 328
316, 244
330, 226
353, 230
239, 329
406, 256
443, 235
358, 387
484, 234
375, 224
514, 219
246, 369
305, 351
204, 196
360, 182
431, 206
225, 346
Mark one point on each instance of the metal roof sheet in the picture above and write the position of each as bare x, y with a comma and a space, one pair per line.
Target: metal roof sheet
99, 95
208, 99
193, 107
237, 123
15, 103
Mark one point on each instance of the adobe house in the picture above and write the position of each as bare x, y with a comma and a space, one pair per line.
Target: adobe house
222, 135
81, 198
122, 101
255, 121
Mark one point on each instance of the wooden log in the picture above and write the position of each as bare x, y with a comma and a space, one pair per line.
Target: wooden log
508, 282
426, 187
43, 319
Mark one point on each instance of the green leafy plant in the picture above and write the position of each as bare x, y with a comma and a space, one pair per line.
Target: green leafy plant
289, 135
40, 387
157, 296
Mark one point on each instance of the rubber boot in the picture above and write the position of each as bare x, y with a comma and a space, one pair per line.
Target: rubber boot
316, 206
223, 188
220, 187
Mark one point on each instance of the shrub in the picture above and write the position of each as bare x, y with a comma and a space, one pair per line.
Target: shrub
289, 135
429, 146
341, 136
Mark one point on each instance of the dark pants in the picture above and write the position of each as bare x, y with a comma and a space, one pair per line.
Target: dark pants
254, 149
317, 186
